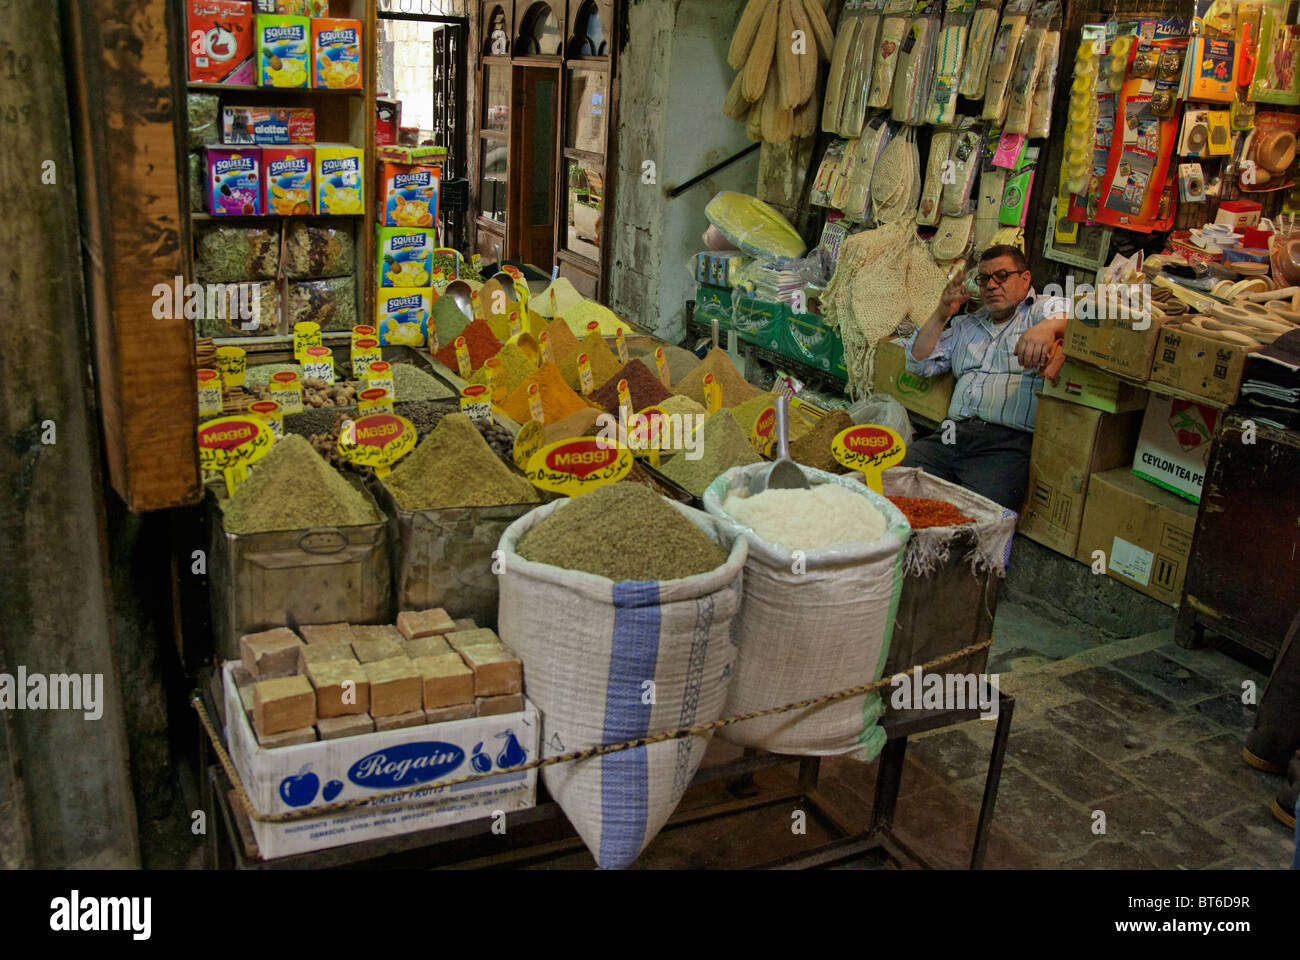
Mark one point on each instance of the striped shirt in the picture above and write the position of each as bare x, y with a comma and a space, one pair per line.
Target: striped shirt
991, 384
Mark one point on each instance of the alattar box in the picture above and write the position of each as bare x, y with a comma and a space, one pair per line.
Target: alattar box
311, 775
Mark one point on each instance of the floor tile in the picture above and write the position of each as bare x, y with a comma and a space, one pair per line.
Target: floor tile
1228, 711
1118, 693
1169, 678
1105, 734
1187, 784
1160, 832
1110, 855
1071, 770
1254, 832
950, 756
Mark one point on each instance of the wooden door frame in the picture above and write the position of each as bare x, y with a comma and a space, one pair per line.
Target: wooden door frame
516, 243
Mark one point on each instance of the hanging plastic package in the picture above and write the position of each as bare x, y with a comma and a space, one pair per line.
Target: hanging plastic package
979, 49
1276, 78
862, 59
1034, 54
1040, 112
812, 632
1004, 59
1015, 195
841, 66
949, 55
893, 31
586, 672
916, 67
927, 213
989, 191
952, 241
856, 200
895, 183
832, 165
754, 227
966, 145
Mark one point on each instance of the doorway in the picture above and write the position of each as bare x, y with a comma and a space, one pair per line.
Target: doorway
534, 123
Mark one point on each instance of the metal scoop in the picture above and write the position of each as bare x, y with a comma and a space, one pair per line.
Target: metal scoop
462, 296
785, 473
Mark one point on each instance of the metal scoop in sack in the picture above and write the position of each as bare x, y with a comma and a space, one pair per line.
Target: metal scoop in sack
785, 473
462, 296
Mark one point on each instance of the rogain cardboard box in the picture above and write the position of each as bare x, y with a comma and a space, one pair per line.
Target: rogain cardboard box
1071, 443
311, 775
1123, 346
1085, 384
1195, 364
1145, 534
928, 397
1173, 450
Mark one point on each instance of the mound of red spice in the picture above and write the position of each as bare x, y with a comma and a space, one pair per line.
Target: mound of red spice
922, 513
644, 388
482, 345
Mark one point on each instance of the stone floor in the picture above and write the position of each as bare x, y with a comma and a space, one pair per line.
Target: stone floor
1124, 753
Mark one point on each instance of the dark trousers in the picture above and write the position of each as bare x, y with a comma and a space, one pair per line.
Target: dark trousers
990, 459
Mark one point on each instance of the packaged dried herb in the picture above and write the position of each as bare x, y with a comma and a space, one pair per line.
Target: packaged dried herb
332, 302
241, 309
204, 119
198, 195
317, 248
227, 253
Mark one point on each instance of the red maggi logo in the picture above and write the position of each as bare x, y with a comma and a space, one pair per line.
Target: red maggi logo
581, 458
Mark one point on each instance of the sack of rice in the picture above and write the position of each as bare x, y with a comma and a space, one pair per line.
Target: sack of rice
622, 635
821, 589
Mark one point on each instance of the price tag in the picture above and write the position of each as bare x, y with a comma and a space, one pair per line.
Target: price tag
496, 379
379, 375
593, 326
516, 323
477, 260
712, 394
763, 434
585, 378
462, 358
271, 413
318, 364
476, 403
232, 363
544, 344
230, 444
621, 344
527, 442
434, 346
305, 334
375, 400
624, 395
869, 448
535, 403
363, 331
210, 399
661, 366
286, 390
378, 440
365, 351
577, 466
646, 433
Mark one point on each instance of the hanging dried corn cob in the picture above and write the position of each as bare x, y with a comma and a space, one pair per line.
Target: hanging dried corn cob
758, 65
893, 30
937, 163
806, 55
1003, 60
915, 67
858, 81
979, 48
742, 41
950, 53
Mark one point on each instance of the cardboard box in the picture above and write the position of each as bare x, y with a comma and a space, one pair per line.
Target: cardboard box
340, 180
255, 125
302, 777
336, 53
713, 303
1173, 450
283, 51
1144, 532
1087, 385
1071, 443
1195, 364
409, 194
1113, 344
287, 177
220, 41
926, 396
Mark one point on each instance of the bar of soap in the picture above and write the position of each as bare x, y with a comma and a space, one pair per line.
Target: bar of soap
497, 671
290, 738
326, 633
270, 654
383, 632
447, 680
479, 636
424, 623
395, 687
350, 725
341, 687
492, 706
461, 711
465, 623
322, 651
246, 700
281, 704
398, 721
377, 648
426, 647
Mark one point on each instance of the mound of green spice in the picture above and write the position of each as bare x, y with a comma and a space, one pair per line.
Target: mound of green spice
723, 444
293, 488
454, 467
622, 531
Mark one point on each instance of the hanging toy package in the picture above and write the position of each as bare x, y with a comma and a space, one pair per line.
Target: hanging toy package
893, 31
916, 65
950, 53
857, 82
1004, 58
979, 49
966, 145
841, 65
940, 150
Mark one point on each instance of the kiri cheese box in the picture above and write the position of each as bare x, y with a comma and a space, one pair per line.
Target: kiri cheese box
340, 180
309, 775
283, 51
221, 41
336, 53
234, 181
288, 179
403, 316
405, 257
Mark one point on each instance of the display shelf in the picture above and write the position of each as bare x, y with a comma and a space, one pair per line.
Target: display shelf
280, 216
254, 88
800, 369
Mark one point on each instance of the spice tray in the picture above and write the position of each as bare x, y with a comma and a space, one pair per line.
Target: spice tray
458, 383
310, 775
676, 490
290, 577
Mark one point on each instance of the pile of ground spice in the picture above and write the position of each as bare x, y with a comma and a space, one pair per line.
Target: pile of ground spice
747, 413
293, 488
640, 476
580, 424
559, 336
684, 406
813, 449
722, 445
411, 384
645, 389
558, 401
500, 325
481, 343
583, 313
603, 362
680, 361
448, 320
735, 388
692, 417
518, 367
454, 467
922, 513
622, 531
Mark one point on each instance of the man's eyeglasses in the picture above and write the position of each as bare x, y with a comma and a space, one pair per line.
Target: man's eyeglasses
999, 277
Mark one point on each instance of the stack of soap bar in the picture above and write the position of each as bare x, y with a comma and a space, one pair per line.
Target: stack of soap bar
399, 721
497, 671
283, 704
427, 647
461, 711
270, 654
424, 623
465, 623
349, 725
342, 687
494, 706
377, 643
326, 633
322, 652
447, 681
478, 637
395, 687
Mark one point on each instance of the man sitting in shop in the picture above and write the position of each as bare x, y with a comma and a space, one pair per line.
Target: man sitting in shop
996, 354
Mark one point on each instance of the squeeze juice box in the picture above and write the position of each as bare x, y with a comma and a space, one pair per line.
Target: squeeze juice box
405, 257
403, 316
410, 195
288, 176
234, 181
221, 41
283, 51
336, 53
340, 180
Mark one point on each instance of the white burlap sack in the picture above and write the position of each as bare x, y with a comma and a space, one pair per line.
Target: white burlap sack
607, 662
929, 549
811, 628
